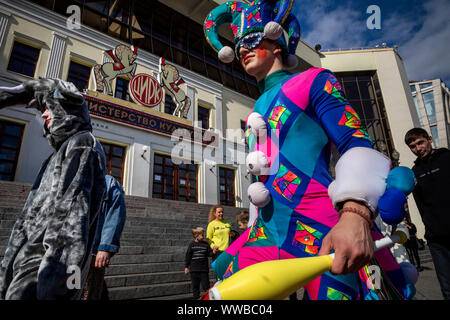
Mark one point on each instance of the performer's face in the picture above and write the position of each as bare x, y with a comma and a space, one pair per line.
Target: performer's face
421, 147
259, 61
47, 116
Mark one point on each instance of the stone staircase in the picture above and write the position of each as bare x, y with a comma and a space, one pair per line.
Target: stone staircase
150, 263
425, 255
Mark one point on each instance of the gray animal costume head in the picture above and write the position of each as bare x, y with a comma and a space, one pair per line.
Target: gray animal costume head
68, 111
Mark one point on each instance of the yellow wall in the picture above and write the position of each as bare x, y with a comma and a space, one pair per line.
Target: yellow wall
31, 34
235, 107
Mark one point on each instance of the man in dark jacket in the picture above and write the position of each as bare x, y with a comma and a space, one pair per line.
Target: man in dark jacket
432, 171
49, 250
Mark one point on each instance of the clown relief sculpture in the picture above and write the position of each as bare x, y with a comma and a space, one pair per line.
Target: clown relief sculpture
170, 79
123, 63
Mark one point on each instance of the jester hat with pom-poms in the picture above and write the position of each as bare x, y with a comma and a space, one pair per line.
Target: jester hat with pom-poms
251, 23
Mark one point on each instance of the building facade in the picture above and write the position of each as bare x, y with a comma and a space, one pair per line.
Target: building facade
144, 146
198, 157
432, 102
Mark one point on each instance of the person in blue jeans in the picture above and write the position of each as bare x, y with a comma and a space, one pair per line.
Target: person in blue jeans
107, 239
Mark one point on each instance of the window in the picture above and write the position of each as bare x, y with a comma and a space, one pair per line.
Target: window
10, 141
363, 92
115, 160
152, 26
434, 134
169, 104
428, 101
79, 75
122, 89
425, 86
23, 59
226, 187
203, 117
413, 89
243, 129
417, 110
172, 181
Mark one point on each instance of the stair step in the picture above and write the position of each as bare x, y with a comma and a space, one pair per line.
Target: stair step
7, 224
147, 258
149, 291
150, 236
134, 268
187, 296
130, 222
157, 230
146, 279
157, 242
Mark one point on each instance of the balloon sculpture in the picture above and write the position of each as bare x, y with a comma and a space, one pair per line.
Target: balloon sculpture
392, 204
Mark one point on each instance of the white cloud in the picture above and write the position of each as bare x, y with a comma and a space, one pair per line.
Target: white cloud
423, 39
426, 53
341, 27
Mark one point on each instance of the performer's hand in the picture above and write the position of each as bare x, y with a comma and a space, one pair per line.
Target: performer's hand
351, 240
102, 259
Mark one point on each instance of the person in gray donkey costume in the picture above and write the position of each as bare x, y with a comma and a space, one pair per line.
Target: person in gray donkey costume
52, 237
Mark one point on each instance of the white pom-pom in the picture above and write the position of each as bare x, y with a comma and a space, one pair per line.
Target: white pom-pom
258, 194
226, 54
273, 30
257, 163
291, 61
256, 124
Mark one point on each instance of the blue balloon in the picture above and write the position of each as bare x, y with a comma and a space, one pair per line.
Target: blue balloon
401, 178
392, 206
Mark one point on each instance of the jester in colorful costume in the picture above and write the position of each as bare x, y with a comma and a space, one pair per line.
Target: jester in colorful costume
302, 212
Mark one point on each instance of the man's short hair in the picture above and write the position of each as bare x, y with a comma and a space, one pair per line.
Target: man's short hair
415, 133
198, 231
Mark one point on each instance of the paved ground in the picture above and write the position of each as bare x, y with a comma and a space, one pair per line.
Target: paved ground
427, 285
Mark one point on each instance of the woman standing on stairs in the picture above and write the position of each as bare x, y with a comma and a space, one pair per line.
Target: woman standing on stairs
218, 231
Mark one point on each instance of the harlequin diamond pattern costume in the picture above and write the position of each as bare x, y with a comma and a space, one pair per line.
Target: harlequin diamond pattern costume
289, 133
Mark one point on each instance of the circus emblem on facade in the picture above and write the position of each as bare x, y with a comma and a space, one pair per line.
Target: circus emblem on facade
145, 90
169, 78
123, 63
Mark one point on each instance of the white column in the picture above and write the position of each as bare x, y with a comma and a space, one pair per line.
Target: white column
56, 55
190, 92
4, 21
218, 120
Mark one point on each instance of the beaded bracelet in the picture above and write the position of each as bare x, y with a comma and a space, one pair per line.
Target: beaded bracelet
359, 212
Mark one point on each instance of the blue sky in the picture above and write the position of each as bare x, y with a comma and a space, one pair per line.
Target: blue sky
421, 29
